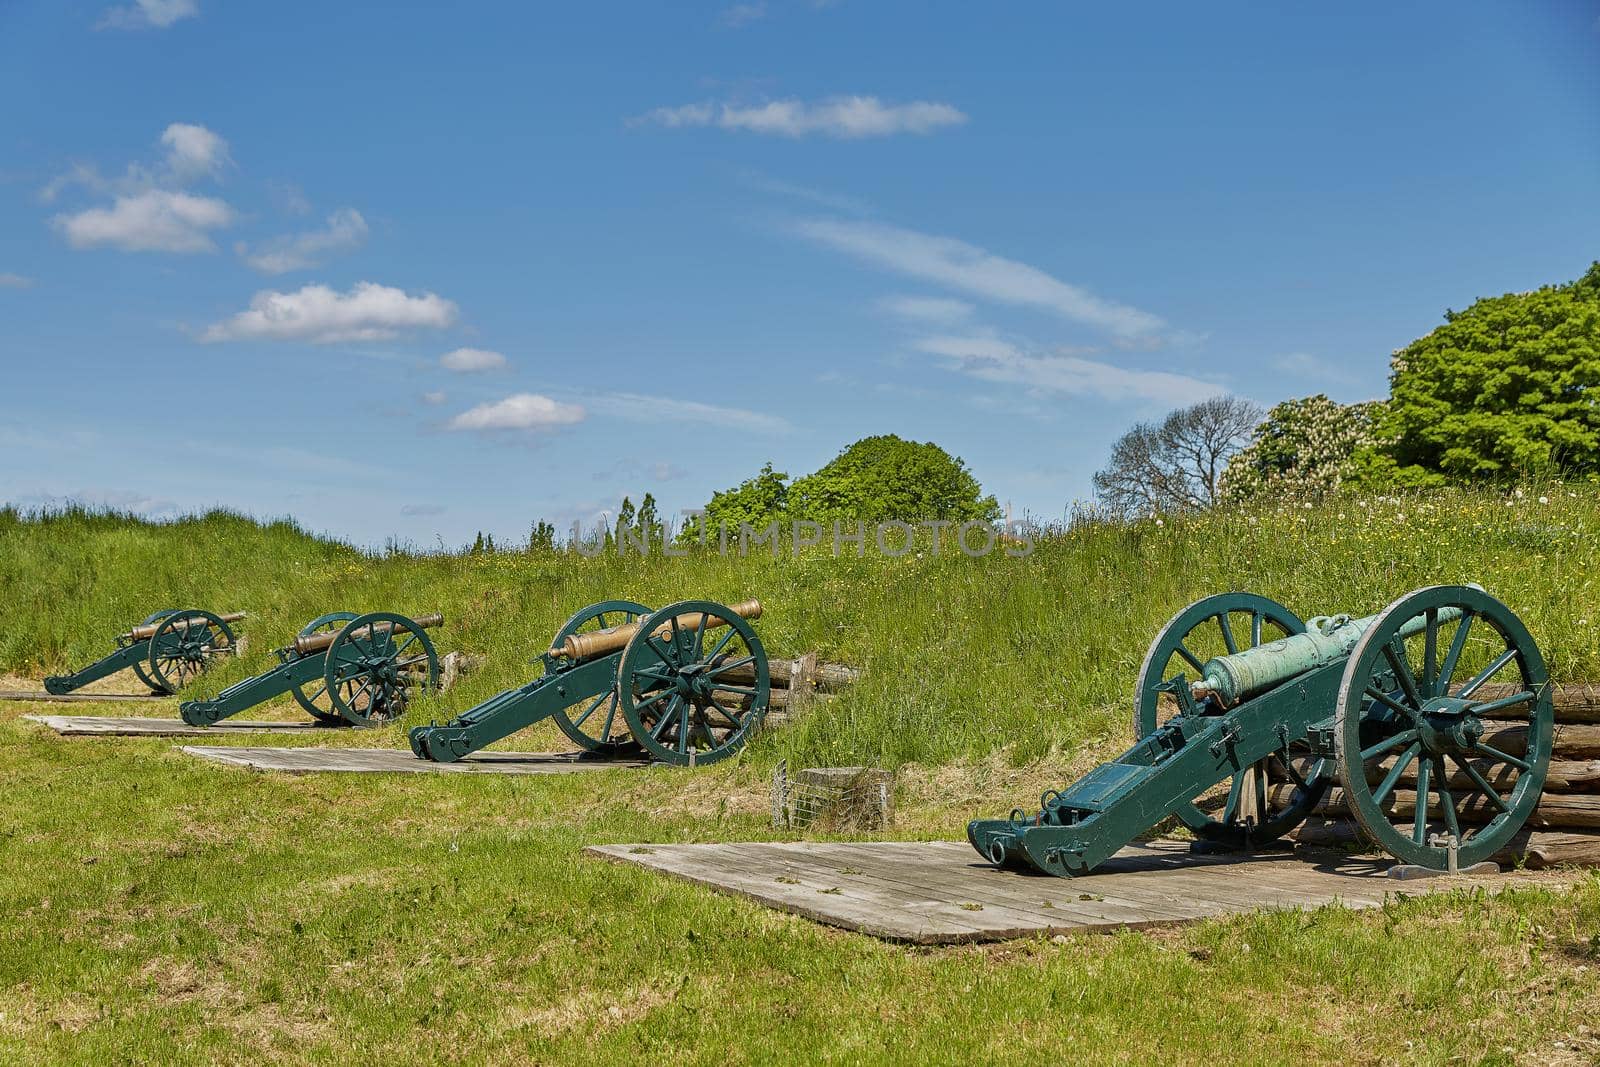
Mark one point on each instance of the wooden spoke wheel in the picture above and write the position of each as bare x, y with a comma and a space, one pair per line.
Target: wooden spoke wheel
372, 665
594, 724
1423, 753
692, 694
139, 668
1253, 812
183, 647
313, 696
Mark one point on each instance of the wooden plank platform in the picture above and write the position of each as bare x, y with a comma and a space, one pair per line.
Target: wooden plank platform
402, 761
111, 726
80, 698
941, 892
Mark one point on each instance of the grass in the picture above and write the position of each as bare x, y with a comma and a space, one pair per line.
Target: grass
159, 908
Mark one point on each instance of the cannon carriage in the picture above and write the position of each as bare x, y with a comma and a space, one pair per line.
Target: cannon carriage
686, 685
1432, 719
166, 652
343, 668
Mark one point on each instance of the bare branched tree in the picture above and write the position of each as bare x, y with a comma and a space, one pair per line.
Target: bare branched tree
1174, 465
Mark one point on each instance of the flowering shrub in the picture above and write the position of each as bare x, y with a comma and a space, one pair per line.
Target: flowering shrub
1303, 448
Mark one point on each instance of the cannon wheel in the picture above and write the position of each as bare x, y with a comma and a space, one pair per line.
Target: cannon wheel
367, 668
138, 668
1225, 623
181, 651
599, 713
1403, 714
689, 697
318, 703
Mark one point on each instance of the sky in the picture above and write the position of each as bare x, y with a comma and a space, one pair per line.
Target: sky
410, 271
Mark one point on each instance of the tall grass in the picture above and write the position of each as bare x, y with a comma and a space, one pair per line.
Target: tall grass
963, 655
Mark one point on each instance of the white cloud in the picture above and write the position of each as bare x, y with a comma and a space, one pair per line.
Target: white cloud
193, 151
743, 14
973, 270
645, 408
844, 117
147, 14
156, 220
472, 360
435, 397
992, 359
346, 230
521, 411
928, 309
151, 209
15, 281
318, 314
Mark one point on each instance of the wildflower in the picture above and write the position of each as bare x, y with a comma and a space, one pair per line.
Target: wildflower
1544, 500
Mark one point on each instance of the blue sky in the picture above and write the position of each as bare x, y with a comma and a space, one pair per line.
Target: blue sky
416, 270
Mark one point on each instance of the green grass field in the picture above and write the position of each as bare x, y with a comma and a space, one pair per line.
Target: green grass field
157, 908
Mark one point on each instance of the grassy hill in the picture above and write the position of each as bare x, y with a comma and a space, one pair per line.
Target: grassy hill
159, 908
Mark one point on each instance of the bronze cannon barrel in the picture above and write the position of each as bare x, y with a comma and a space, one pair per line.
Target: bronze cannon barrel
306, 646
146, 632
614, 638
1242, 675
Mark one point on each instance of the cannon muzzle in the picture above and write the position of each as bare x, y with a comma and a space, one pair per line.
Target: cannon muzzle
616, 638
147, 631
310, 646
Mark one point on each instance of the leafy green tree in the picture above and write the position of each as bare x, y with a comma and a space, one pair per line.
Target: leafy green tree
885, 478
1303, 448
624, 520
648, 520
542, 538
755, 502
1510, 385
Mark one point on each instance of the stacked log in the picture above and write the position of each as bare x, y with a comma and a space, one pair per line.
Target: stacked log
796, 683
1565, 827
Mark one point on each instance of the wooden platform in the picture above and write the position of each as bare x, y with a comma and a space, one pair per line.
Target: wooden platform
402, 761
941, 892
80, 698
112, 726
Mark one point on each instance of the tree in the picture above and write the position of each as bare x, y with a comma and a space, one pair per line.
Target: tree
887, 478
1305, 447
542, 538
755, 502
1511, 384
624, 520
1175, 464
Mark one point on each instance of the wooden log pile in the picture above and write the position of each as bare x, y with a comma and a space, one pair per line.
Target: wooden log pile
798, 683
1563, 830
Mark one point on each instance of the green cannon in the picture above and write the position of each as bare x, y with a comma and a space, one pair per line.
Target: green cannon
621, 679
166, 651
343, 668
1432, 717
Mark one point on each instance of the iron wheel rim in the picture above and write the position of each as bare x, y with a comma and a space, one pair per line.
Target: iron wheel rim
666, 724
1372, 721
359, 666
1257, 613
605, 708
177, 656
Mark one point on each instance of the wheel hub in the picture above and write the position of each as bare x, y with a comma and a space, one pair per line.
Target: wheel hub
1448, 725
